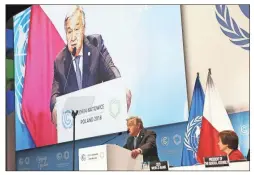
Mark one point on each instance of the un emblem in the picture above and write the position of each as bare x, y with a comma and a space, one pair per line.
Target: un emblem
21, 29
191, 138
114, 108
236, 34
245, 8
67, 119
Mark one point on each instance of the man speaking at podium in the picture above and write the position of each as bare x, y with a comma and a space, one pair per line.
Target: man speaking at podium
141, 141
85, 61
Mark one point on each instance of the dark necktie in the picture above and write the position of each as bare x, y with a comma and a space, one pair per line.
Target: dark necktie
78, 72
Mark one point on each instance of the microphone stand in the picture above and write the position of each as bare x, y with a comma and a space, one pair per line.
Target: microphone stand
120, 133
74, 114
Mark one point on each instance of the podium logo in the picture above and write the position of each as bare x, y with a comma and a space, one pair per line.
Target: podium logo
83, 157
114, 108
67, 119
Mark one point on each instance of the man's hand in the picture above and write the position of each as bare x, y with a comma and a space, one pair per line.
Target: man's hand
128, 98
54, 117
135, 153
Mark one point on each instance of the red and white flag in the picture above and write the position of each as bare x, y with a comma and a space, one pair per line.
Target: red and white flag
44, 43
215, 119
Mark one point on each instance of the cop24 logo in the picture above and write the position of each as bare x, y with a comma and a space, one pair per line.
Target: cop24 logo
67, 119
231, 29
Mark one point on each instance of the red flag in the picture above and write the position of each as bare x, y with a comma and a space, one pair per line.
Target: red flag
215, 119
44, 43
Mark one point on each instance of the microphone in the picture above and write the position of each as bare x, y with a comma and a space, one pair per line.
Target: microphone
73, 53
94, 41
120, 133
74, 113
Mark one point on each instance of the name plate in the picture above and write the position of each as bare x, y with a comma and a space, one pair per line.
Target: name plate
159, 166
216, 161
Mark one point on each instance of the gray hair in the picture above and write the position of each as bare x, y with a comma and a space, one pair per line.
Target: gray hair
136, 120
71, 13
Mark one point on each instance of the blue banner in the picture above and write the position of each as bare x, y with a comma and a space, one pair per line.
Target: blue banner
192, 133
169, 142
59, 157
241, 123
21, 29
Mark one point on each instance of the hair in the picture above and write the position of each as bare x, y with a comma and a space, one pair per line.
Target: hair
71, 13
229, 138
136, 120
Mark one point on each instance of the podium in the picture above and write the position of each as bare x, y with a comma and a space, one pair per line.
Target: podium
98, 106
108, 157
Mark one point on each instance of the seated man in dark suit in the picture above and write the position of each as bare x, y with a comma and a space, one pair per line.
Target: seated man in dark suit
83, 62
141, 141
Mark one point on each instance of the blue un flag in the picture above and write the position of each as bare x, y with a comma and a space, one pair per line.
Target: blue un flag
191, 137
21, 31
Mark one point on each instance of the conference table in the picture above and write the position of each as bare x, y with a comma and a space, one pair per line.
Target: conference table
233, 166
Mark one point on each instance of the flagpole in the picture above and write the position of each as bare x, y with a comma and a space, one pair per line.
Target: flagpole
194, 121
